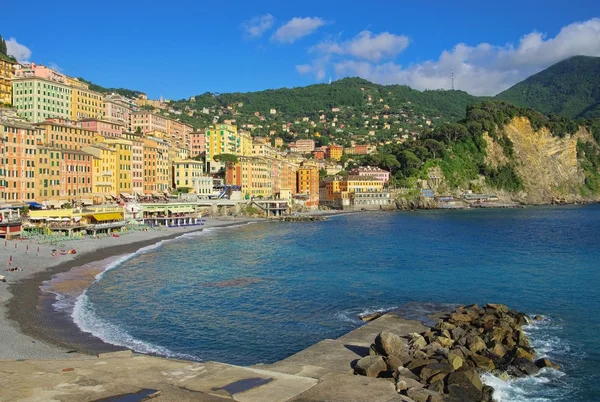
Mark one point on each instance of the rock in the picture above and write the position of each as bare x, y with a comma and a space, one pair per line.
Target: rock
455, 360
544, 362
460, 318
498, 350
538, 318
416, 365
522, 339
444, 325
373, 351
488, 394
497, 307
419, 354
393, 362
403, 372
437, 386
370, 366
389, 343
403, 398
526, 366
457, 333
444, 341
417, 341
476, 344
482, 362
405, 383
468, 382
525, 354
431, 370
424, 395
456, 393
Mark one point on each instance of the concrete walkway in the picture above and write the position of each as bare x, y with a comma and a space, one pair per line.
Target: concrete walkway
322, 372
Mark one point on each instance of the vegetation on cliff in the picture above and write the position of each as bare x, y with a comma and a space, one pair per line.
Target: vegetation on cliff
569, 88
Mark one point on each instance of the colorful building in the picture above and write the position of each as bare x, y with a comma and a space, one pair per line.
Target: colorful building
117, 110
76, 175
104, 128
253, 174
18, 160
123, 163
37, 99
225, 139
85, 103
156, 163
49, 176
308, 183
335, 152
179, 133
104, 181
197, 143
64, 133
148, 122
6, 74
376, 172
137, 162
187, 174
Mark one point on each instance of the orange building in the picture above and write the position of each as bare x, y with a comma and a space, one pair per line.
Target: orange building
17, 157
64, 134
319, 155
76, 182
49, 175
308, 183
150, 166
197, 143
335, 152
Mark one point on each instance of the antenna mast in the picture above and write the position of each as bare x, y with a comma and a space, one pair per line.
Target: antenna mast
453, 79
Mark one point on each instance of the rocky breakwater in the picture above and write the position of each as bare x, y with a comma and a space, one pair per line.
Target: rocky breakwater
445, 362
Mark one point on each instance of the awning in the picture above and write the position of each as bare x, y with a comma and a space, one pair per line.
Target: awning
35, 205
55, 204
87, 201
110, 216
126, 195
181, 210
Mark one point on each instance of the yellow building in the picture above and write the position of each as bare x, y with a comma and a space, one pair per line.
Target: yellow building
308, 183
104, 179
123, 164
48, 175
85, 103
361, 184
6, 75
225, 139
335, 152
189, 173
253, 174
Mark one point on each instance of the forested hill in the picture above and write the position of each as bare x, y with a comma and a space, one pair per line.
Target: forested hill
569, 88
347, 92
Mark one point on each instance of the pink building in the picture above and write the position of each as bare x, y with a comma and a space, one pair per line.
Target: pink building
103, 127
197, 143
117, 111
376, 172
179, 133
33, 70
148, 122
303, 146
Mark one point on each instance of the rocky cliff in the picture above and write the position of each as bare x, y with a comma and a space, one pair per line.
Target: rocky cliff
547, 164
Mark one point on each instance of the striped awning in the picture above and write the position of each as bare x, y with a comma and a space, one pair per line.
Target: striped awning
109, 216
183, 210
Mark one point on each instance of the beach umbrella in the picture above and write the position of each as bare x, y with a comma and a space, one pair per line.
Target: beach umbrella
27, 249
10, 260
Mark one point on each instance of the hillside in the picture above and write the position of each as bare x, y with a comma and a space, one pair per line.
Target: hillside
569, 88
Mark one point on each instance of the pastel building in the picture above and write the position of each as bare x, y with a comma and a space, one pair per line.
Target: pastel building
368, 171
225, 139
335, 152
187, 173
64, 133
17, 160
148, 122
308, 183
49, 175
6, 75
104, 182
137, 162
117, 110
85, 103
122, 167
76, 175
37, 98
104, 128
197, 143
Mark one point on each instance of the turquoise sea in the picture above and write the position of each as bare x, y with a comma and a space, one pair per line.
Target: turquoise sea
261, 292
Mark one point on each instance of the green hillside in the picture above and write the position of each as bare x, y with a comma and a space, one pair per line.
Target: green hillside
569, 88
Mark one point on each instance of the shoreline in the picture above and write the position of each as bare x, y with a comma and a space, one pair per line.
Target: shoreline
28, 332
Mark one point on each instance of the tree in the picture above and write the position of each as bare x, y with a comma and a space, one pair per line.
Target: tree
390, 162
138, 130
433, 146
452, 132
226, 158
3, 49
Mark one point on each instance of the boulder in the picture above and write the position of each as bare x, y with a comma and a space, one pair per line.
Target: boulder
497, 307
456, 393
444, 325
526, 366
437, 386
393, 362
460, 318
488, 394
405, 383
416, 365
403, 372
431, 370
457, 333
468, 380
476, 344
455, 360
525, 354
498, 350
424, 395
370, 366
522, 339
417, 341
445, 342
389, 343
482, 362
544, 362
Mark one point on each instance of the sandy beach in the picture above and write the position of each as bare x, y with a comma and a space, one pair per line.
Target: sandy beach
23, 335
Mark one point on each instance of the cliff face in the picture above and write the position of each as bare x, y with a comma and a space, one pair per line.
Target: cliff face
547, 164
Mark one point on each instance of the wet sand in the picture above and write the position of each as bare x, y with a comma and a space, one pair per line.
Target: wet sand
27, 331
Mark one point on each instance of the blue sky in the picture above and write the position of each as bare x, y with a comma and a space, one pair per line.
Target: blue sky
185, 48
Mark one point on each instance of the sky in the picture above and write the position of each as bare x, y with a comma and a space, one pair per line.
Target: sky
184, 48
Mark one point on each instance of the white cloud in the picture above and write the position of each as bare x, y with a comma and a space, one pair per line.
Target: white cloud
484, 69
257, 26
318, 68
366, 46
297, 28
20, 52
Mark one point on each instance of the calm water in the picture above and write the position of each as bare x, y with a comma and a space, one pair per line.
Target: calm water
261, 292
